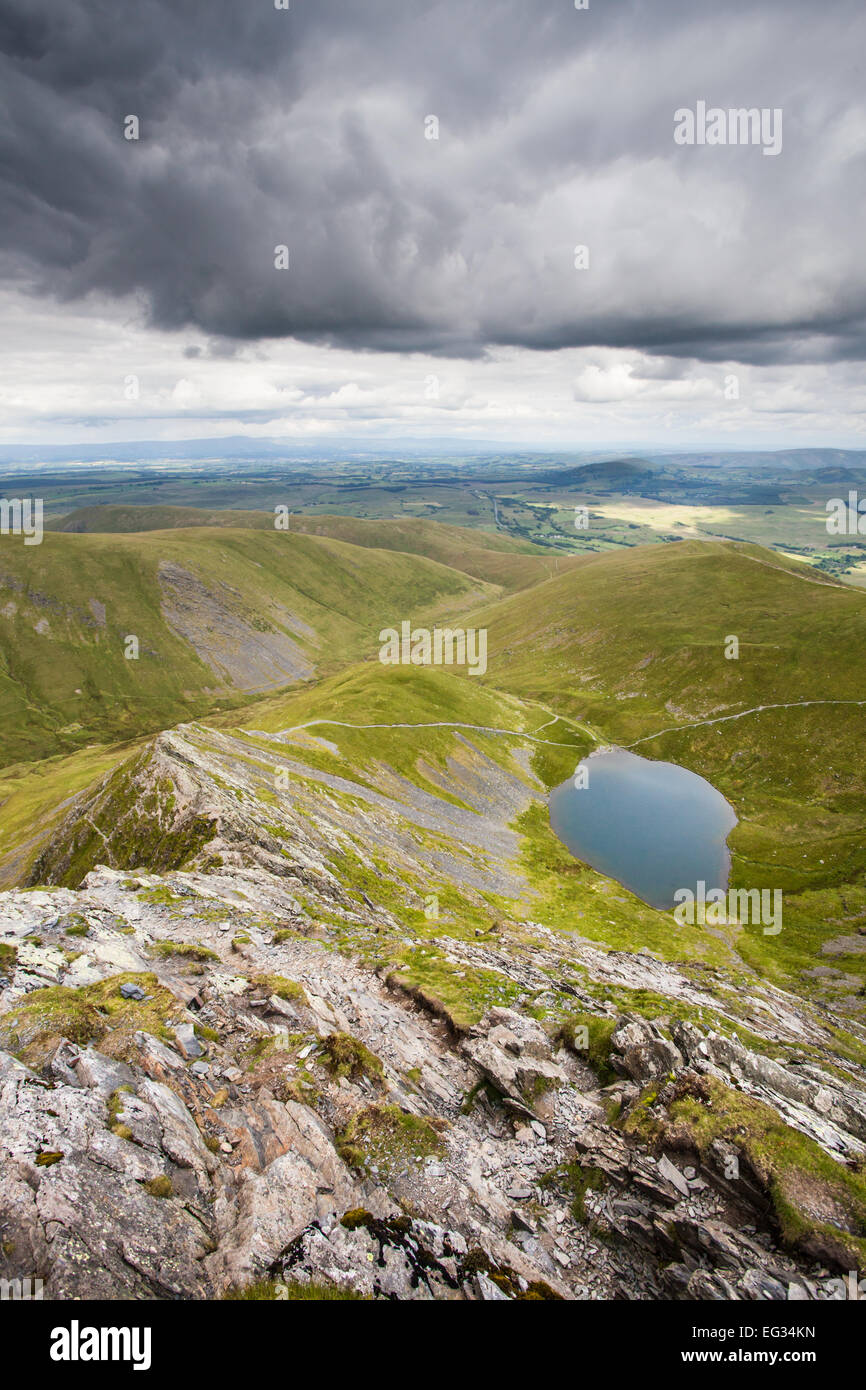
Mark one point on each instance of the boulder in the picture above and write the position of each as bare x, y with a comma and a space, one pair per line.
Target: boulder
515, 1054
641, 1051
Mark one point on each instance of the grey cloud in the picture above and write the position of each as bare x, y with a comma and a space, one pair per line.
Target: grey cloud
261, 127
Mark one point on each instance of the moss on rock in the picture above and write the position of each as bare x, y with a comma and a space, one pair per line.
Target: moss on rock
819, 1204
386, 1137
346, 1056
87, 1015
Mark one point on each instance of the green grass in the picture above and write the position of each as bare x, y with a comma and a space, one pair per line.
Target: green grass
388, 1138
34, 796
87, 1015
376, 694
462, 995
69, 683
128, 821
289, 990
495, 559
573, 897
597, 1051
346, 1056
622, 635
574, 1180
159, 1187
181, 950
294, 1291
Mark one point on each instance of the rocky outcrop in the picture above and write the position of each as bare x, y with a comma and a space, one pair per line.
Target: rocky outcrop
641, 1051
808, 1097
513, 1053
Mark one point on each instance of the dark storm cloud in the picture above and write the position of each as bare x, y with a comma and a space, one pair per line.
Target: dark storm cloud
262, 127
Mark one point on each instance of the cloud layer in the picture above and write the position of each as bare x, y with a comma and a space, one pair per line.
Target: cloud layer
307, 128
91, 374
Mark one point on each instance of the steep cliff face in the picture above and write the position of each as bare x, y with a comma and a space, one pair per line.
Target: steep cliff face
285, 1014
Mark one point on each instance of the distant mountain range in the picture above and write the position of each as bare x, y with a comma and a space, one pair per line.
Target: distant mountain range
243, 448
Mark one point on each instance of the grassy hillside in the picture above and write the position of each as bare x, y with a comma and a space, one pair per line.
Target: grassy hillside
218, 614
638, 638
34, 797
419, 697
514, 564
121, 518
497, 559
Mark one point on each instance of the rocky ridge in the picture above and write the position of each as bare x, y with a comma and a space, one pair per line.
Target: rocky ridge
207, 1079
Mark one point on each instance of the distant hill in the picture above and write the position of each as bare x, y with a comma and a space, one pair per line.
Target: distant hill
766, 460
496, 559
123, 518
246, 448
649, 623
619, 474
836, 473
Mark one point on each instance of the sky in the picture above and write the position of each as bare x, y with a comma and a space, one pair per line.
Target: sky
466, 218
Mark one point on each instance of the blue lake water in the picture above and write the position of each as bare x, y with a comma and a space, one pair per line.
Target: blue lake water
652, 826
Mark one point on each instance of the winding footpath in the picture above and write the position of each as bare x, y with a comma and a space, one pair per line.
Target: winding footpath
550, 743
725, 718
435, 724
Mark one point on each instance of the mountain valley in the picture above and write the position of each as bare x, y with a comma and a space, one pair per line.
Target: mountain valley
296, 974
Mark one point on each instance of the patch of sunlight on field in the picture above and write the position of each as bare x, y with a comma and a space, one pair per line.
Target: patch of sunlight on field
664, 516
803, 559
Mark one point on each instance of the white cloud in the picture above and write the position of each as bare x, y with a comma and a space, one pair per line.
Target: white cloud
64, 376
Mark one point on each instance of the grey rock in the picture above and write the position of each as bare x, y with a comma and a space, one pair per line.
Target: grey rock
712, 1286
131, 991
798, 1293
103, 1074
515, 1054
640, 1050
521, 1223
488, 1291
187, 1041
755, 1284
672, 1174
